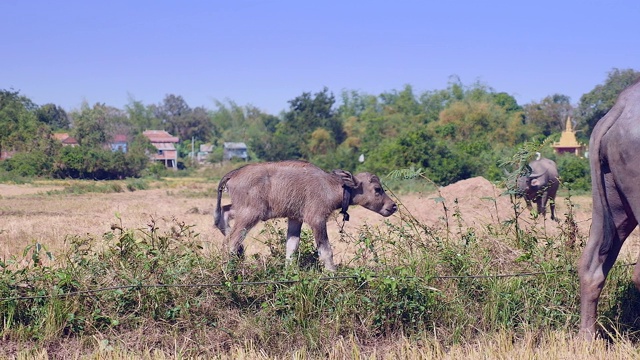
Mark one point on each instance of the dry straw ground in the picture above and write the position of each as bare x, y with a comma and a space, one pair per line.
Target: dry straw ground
37, 213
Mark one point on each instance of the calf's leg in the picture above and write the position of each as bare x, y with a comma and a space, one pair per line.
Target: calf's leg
293, 237
322, 242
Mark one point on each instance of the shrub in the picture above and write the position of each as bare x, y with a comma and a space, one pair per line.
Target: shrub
574, 171
100, 164
28, 164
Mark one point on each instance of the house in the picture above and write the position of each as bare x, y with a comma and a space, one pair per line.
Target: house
235, 149
65, 139
119, 143
203, 154
6, 154
165, 143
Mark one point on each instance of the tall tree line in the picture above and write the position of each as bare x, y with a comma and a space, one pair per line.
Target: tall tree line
453, 133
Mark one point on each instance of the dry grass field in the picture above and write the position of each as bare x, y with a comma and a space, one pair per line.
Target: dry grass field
43, 212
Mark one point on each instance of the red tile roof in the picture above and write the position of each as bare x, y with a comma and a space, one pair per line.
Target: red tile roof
160, 136
65, 139
120, 138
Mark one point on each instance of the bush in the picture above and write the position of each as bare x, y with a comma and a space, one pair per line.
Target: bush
137, 184
28, 164
574, 172
216, 156
156, 170
100, 164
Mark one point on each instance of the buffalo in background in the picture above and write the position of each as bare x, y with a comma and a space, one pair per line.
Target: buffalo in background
540, 185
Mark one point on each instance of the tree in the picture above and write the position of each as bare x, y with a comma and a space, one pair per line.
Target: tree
172, 106
170, 112
596, 103
234, 123
142, 117
230, 122
19, 128
321, 142
96, 126
54, 116
355, 103
307, 113
422, 148
363, 122
403, 102
195, 123
260, 130
506, 101
433, 102
550, 115
477, 119
181, 120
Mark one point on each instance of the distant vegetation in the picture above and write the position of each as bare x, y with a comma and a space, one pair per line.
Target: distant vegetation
453, 134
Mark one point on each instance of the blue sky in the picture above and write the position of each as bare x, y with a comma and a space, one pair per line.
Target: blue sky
265, 53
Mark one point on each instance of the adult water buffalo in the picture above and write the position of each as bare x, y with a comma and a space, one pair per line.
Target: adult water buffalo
540, 185
615, 172
298, 191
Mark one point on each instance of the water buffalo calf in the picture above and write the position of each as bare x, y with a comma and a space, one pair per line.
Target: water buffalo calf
298, 191
615, 171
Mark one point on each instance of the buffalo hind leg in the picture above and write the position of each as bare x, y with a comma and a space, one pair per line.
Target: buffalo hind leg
227, 216
238, 232
592, 272
596, 262
293, 238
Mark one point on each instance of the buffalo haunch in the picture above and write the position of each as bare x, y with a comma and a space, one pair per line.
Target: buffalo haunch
298, 191
615, 170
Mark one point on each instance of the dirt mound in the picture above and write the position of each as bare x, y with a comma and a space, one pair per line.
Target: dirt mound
471, 202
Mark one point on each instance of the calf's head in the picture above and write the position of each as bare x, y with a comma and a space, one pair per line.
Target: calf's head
366, 191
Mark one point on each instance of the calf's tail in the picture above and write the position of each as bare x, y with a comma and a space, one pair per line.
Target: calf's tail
218, 216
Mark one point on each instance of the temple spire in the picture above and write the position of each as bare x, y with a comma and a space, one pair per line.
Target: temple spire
568, 141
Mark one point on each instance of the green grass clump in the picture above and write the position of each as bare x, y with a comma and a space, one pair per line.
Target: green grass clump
134, 184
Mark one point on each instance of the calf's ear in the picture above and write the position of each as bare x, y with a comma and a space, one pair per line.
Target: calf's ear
347, 178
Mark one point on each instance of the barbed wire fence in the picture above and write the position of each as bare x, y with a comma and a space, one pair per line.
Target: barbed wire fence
284, 282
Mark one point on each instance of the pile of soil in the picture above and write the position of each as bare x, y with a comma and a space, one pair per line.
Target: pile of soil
473, 202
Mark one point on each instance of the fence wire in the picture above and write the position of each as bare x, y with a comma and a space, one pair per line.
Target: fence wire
284, 282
